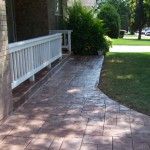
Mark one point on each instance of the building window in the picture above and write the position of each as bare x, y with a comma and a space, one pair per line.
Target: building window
58, 8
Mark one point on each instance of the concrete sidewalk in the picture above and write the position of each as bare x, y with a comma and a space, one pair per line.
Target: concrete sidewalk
70, 113
124, 48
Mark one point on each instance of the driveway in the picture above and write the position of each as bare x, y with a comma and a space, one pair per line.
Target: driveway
70, 113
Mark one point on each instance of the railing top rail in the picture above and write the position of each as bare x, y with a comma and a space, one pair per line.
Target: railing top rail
61, 31
27, 43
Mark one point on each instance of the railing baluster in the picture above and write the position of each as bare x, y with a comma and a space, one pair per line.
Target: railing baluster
15, 65
18, 65
26, 61
29, 65
12, 67
21, 64
32, 78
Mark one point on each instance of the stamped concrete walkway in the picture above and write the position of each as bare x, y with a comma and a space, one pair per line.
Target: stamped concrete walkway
70, 113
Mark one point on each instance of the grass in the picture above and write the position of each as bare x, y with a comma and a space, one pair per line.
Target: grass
132, 40
126, 78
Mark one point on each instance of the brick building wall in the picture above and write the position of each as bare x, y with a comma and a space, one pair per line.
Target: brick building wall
5, 83
31, 17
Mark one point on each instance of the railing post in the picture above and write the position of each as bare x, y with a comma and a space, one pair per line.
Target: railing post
32, 78
69, 41
65, 40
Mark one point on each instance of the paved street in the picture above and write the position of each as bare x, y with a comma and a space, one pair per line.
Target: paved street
70, 113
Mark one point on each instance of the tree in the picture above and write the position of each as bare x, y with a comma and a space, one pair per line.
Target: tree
123, 10
111, 20
140, 16
147, 11
122, 7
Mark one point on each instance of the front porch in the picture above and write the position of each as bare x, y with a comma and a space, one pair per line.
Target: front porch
33, 61
27, 48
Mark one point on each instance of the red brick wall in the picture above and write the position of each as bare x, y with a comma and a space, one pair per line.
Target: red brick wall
31, 18
5, 83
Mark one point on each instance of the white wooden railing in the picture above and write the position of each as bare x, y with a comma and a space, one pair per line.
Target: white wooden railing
30, 56
66, 38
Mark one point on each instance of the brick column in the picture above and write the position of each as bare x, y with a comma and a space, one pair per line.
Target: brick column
5, 82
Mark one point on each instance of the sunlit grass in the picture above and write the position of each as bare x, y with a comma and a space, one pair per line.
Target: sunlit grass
126, 78
132, 40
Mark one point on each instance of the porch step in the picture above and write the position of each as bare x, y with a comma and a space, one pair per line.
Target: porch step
24, 91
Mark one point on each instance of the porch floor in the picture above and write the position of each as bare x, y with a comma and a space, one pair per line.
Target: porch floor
70, 113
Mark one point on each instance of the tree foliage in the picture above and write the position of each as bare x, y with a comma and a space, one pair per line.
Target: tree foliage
111, 20
122, 7
140, 14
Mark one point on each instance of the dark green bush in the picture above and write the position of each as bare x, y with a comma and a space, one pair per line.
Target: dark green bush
88, 31
111, 20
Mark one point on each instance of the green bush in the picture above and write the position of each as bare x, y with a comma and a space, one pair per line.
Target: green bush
88, 31
111, 20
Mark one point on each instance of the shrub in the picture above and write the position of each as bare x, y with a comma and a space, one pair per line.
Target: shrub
88, 31
111, 20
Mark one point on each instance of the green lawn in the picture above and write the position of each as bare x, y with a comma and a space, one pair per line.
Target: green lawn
126, 78
127, 40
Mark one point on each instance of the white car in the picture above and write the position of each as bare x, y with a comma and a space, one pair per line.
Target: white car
147, 33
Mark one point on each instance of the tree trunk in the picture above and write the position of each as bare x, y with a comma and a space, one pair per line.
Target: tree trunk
140, 31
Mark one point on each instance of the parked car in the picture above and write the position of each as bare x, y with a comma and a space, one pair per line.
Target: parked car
122, 33
143, 31
147, 28
147, 33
